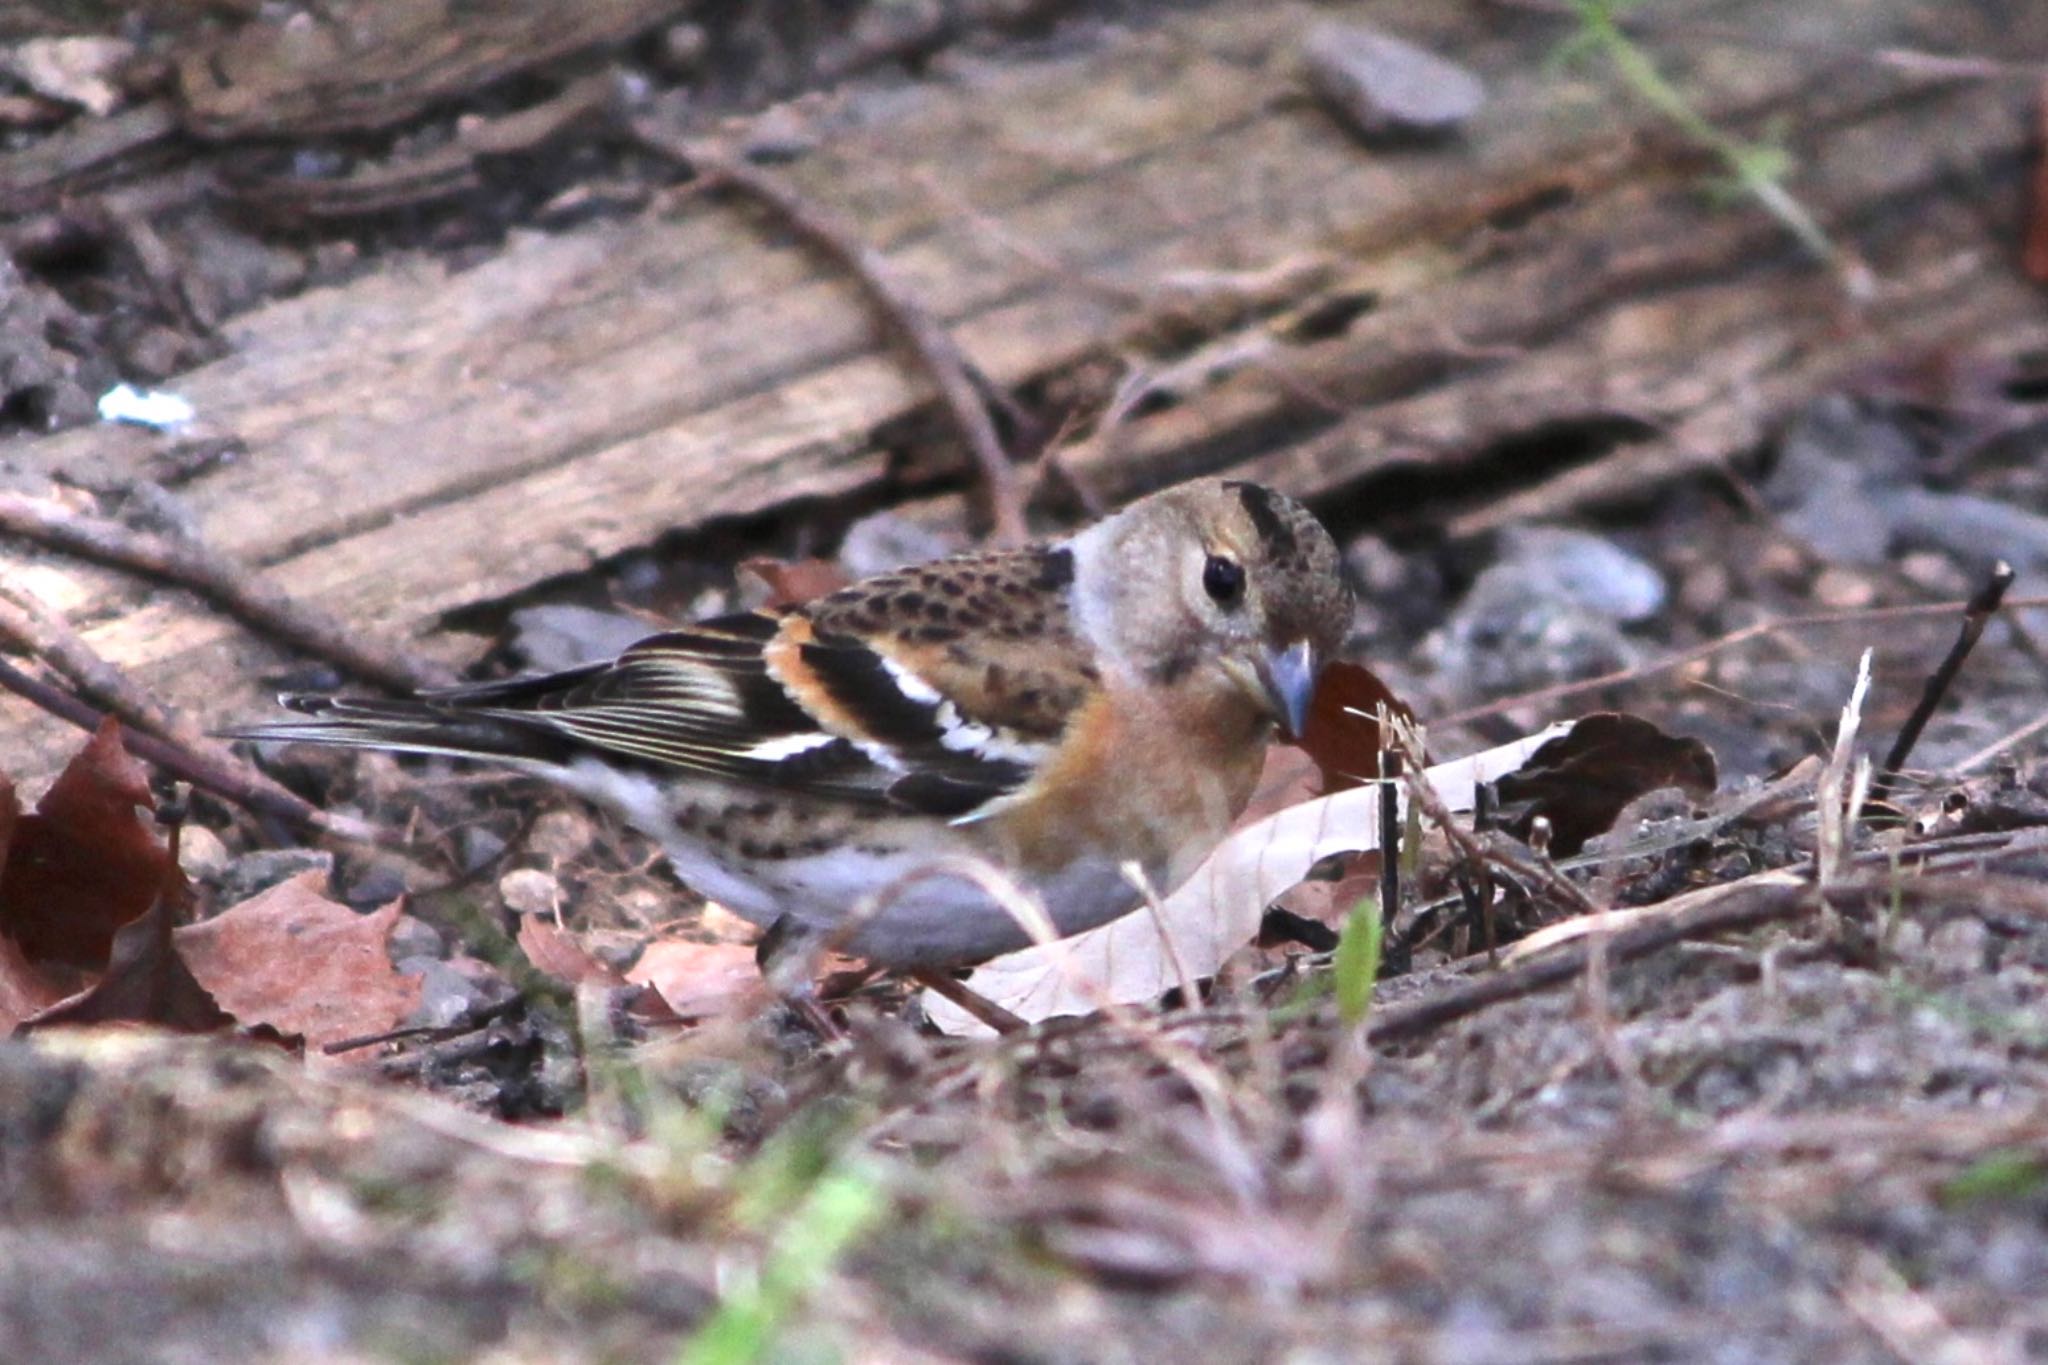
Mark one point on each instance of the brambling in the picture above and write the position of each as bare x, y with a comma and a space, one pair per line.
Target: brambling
1058, 713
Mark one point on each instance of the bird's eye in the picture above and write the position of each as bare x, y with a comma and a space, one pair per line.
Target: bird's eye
1223, 580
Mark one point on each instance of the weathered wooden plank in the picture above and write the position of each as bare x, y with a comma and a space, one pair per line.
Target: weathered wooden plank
424, 438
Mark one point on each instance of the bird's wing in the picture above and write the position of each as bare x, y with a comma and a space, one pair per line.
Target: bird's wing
872, 695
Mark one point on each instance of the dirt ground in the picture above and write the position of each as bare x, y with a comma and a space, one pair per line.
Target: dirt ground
1799, 1112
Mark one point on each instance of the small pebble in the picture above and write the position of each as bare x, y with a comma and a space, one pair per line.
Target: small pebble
683, 47
562, 836
1549, 609
447, 996
778, 134
478, 847
1935, 572
1592, 573
201, 853
559, 635
412, 937
378, 884
256, 872
530, 891
1840, 589
1705, 589
889, 540
1384, 87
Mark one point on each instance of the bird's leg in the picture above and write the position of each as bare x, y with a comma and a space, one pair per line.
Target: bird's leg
787, 955
943, 983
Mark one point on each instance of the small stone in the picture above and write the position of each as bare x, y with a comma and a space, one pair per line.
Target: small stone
1377, 567
1387, 88
1549, 609
1592, 573
559, 635
256, 872
562, 836
1934, 572
898, 26
889, 540
478, 847
412, 937
447, 996
530, 891
83, 71
778, 134
683, 47
201, 853
1780, 562
380, 883
1840, 589
1960, 948
1705, 589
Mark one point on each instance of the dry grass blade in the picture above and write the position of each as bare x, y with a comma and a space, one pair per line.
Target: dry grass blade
1843, 782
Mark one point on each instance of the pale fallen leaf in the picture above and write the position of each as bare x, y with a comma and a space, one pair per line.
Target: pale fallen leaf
698, 979
303, 964
1218, 909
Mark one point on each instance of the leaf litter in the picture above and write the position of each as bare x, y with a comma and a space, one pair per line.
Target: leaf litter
1145, 1152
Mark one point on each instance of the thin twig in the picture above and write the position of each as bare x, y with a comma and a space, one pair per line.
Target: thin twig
936, 350
30, 626
1745, 906
2003, 743
156, 735
1391, 764
970, 1001
1715, 646
231, 586
1975, 617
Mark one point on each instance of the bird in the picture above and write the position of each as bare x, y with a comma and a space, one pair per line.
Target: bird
1081, 718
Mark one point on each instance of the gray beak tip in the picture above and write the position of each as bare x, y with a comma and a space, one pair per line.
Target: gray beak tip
1289, 676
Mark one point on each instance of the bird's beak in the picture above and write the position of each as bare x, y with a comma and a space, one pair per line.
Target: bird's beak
1288, 679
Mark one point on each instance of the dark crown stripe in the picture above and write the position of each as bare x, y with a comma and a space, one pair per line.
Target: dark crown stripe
1262, 505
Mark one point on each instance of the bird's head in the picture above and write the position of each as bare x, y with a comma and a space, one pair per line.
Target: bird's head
1216, 582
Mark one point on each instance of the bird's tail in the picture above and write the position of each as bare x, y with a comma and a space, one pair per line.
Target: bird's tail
421, 725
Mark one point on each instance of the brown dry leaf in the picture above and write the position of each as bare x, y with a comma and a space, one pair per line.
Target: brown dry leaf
1216, 912
699, 979
1582, 780
1342, 734
770, 582
557, 953
146, 981
24, 991
303, 964
86, 862
1341, 742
